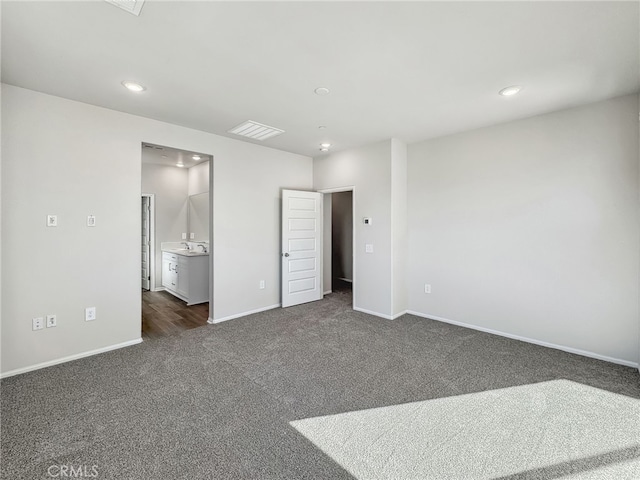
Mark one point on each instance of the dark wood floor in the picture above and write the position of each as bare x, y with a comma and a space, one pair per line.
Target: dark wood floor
163, 315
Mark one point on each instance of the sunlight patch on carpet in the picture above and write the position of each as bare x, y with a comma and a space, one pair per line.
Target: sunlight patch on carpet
555, 429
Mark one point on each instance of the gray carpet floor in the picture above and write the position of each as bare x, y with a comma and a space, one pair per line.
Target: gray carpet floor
217, 401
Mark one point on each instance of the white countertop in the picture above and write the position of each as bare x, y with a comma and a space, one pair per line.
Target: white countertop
185, 252
194, 250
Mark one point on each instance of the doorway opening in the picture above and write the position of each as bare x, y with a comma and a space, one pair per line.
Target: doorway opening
147, 210
339, 240
176, 227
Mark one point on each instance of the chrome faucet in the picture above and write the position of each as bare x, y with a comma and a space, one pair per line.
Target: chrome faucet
186, 245
204, 249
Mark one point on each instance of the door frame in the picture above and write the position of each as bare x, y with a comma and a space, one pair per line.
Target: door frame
352, 189
152, 239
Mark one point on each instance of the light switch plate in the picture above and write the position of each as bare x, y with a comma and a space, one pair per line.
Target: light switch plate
368, 248
91, 221
37, 323
52, 220
184, 236
52, 321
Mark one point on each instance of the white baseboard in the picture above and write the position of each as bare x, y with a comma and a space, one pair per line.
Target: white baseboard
243, 314
70, 358
327, 292
345, 280
381, 315
159, 289
564, 348
371, 312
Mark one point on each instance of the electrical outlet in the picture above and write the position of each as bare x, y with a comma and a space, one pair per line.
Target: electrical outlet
91, 221
52, 321
368, 248
89, 314
52, 220
427, 288
37, 323
192, 236
261, 284
184, 236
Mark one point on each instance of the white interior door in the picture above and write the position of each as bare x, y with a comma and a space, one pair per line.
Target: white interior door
146, 229
301, 247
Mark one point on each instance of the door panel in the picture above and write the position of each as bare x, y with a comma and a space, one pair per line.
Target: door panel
145, 242
301, 247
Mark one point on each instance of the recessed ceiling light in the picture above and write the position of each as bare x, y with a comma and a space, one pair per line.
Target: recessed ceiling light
325, 145
508, 91
180, 164
324, 149
133, 86
322, 91
196, 157
322, 127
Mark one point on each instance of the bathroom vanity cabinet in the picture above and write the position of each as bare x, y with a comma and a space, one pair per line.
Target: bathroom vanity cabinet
186, 275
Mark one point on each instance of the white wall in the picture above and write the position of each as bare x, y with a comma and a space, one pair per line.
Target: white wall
50, 165
170, 187
199, 178
399, 225
246, 226
368, 169
531, 228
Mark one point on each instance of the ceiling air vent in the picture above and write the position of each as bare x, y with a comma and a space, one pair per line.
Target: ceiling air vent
131, 6
255, 130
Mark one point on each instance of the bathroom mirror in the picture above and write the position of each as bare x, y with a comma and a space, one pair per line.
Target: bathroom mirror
198, 221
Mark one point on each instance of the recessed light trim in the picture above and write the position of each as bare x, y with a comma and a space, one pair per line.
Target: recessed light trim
180, 165
133, 86
196, 157
509, 91
324, 149
325, 145
322, 91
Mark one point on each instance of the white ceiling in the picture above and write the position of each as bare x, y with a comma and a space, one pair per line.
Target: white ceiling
411, 70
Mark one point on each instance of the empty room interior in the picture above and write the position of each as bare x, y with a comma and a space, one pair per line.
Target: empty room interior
332, 240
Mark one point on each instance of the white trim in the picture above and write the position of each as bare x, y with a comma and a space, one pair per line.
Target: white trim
348, 188
577, 351
159, 289
375, 314
345, 280
327, 292
381, 315
213, 321
70, 358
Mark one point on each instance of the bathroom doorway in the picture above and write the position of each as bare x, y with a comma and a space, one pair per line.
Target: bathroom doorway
177, 263
147, 209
